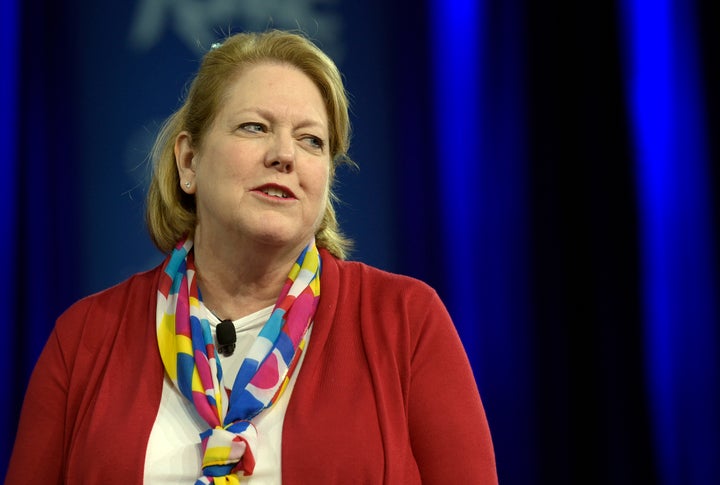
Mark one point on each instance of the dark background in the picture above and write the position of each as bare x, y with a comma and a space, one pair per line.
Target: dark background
549, 167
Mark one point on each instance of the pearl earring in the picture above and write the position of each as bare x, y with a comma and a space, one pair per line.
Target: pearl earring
188, 184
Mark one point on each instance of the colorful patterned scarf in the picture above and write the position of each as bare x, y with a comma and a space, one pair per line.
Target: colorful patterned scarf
191, 360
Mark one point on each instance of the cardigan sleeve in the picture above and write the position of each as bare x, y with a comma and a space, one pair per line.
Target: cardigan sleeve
78, 421
38, 451
449, 431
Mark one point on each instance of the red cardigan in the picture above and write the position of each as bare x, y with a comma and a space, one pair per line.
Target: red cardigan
385, 395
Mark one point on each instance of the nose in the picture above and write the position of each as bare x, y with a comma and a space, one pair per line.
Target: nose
281, 153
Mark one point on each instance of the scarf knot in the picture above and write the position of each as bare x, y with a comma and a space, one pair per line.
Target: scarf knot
229, 450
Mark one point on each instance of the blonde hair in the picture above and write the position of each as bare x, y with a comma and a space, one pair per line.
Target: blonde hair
170, 212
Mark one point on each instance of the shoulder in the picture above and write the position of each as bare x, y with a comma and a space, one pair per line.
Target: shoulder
117, 295
93, 317
367, 290
355, 276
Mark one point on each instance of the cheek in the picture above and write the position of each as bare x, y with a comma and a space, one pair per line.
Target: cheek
324, 187
222, 159
321, 190
316, 180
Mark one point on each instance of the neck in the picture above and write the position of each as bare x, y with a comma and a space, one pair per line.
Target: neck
239, 279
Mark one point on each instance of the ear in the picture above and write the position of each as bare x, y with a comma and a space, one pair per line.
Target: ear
184, 158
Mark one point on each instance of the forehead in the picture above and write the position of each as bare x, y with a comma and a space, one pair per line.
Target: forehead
273, 85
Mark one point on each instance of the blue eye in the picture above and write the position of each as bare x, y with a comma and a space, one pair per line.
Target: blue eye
315, 142
253, 127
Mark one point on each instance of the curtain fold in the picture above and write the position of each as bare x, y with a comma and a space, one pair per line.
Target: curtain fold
678, 240
40, 189
9, 77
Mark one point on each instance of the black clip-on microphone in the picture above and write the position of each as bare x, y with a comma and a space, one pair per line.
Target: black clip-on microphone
226, 338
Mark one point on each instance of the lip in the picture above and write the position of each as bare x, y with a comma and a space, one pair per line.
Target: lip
261, 188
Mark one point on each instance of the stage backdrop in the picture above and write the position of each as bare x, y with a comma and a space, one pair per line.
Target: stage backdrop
550, 168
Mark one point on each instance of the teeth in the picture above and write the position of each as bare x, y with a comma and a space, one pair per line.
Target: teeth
275, 192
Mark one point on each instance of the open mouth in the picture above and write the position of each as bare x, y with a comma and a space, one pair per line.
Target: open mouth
274, 192
278, 191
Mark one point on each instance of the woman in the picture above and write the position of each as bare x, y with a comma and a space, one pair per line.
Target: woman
341, 373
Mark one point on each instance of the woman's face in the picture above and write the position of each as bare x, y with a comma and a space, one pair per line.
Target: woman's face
262, 169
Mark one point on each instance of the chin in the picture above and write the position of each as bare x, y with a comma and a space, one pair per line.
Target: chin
281, 239
279, 232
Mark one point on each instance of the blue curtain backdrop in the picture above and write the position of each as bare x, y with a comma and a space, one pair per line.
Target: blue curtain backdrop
11, 372
549, 167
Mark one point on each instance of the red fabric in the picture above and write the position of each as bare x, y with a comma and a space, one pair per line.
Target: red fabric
385, 394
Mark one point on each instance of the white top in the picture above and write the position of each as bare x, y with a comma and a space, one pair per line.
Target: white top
174, 454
